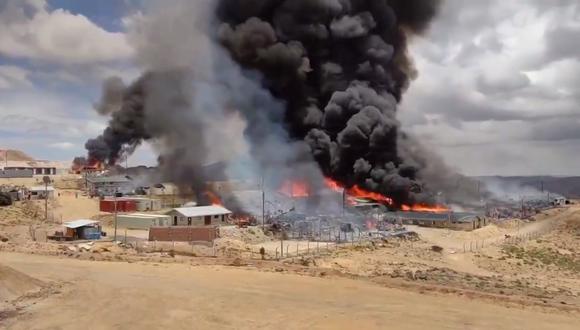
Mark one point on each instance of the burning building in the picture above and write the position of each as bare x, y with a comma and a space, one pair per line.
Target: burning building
316, 84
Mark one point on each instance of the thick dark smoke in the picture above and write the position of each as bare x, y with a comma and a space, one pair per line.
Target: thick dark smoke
317, 83
126, 128
341, 66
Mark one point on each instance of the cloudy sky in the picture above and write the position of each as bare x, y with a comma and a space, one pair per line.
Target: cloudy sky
498, 90
499, 87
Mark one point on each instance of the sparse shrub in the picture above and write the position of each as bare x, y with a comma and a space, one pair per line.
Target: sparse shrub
5, 199
436, 248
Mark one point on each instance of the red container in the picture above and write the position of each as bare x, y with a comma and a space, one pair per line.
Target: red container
123, 205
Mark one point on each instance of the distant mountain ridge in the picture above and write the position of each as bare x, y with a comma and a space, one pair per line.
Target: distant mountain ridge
566, 186
14, 155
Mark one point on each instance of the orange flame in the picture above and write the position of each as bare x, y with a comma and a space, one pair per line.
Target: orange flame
425, 208
357, 192
295, 188
213, 198
332, 185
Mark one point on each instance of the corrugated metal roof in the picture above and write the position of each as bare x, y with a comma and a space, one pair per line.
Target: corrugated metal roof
80, 223
200, 211
143, 215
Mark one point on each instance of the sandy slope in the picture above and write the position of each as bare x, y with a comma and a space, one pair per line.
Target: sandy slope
124, 296
14, 284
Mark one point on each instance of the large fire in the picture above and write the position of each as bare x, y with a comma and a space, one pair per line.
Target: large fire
425, 208
355, 192
301, 189
88, 167
298, 189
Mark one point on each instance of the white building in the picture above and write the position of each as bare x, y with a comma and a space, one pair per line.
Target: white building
38, 167
41, 192
143, 221
199, 215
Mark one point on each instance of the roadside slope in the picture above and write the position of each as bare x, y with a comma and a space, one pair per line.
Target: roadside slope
177, 296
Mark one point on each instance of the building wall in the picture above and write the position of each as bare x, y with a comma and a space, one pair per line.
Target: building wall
109, 188
36, 170
183, 234
130, 221
16, 173
178, 220
108, 205
147, 204
41, 194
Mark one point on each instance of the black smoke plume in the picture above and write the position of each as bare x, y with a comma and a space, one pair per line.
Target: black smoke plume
341, 66
316, 81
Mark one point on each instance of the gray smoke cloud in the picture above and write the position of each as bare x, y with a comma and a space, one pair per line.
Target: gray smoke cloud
112, 96
190, 89
317, 83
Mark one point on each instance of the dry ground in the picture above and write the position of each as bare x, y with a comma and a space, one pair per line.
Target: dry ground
544, 272
146, 296
531, 285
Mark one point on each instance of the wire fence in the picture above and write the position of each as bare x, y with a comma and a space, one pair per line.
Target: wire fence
508, 239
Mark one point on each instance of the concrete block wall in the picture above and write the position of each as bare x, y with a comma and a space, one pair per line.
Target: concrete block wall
183, 234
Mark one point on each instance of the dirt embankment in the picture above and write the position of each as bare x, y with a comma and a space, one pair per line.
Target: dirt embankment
14, 284
15, 288
218, 297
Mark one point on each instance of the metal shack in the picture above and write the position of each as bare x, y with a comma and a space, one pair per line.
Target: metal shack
143, 221
120, 204
199, 215
41, 192
83, 229
146, 204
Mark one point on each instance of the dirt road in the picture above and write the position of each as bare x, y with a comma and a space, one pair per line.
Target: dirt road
100, 295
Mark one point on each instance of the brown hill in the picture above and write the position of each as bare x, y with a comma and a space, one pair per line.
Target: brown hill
14, 155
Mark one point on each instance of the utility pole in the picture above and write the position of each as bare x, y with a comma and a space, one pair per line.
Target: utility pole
115, 199
281, 243
46, 180
263, 204
343, 201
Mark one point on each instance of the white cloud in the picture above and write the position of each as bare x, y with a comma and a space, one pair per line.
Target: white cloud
29, 30
13, 76
48, 115
62, 145
499, 82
